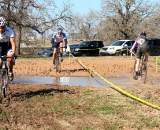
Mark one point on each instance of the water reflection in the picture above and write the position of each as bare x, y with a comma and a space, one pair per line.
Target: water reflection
70, 81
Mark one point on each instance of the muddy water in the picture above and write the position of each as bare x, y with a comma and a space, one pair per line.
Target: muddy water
69, 81
124, 81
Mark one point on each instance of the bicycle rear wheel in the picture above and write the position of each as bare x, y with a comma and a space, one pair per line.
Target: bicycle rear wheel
144, 72
143, 68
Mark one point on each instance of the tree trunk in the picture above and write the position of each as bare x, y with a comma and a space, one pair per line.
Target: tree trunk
19, 40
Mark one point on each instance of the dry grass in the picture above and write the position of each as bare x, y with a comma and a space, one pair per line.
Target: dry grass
46, 107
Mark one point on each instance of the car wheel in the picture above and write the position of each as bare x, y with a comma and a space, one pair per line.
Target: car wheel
124, 54
117, 54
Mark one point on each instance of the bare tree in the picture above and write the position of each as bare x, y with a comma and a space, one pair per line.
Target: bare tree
121, 17
33, 14
83, 27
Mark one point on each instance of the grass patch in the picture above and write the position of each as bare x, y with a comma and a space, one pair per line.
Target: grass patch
105, 110
88, 92
87, 128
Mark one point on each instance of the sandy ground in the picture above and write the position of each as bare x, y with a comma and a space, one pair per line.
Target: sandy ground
44, 67
108, 66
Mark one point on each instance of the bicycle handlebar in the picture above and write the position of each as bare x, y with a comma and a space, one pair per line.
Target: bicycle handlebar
4, 57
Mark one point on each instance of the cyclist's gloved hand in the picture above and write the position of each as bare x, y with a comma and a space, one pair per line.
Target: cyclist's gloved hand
10, 53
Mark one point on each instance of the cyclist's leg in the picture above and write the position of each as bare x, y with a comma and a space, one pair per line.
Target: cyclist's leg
61, 47
10, 61
137, 65
61, 50
3, 51
138, 58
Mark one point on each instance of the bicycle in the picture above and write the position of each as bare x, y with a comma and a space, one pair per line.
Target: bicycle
142, 68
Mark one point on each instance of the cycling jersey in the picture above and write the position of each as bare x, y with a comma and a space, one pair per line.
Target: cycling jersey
6, 35
141, 45
5, 40
57, 39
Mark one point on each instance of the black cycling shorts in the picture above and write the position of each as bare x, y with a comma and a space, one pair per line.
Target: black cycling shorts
55, 44
4, 47
141, 51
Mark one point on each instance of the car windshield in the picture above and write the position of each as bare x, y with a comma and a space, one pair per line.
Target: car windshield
117, 43
74, 46
84, 44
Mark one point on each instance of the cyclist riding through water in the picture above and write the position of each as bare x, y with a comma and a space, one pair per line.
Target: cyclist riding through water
7, 44
58, 40
141, 47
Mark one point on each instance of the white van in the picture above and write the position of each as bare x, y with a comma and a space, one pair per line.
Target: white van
120, 47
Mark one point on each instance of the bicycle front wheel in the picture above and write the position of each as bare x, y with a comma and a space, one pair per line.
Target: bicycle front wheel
57, 64
4, 83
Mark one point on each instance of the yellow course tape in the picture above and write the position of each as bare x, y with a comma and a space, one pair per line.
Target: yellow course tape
157, 63
118, 88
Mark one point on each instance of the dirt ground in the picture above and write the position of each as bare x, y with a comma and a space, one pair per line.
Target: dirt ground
53, 107
108, 66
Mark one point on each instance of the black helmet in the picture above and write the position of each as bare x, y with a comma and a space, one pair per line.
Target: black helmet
143, 34
60, 29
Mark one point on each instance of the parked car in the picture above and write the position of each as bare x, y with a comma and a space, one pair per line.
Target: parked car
73, 48
103, 51
120, 47
154, 47
87, 48
45, 52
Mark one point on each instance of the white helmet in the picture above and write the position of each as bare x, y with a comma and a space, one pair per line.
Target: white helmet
2, 22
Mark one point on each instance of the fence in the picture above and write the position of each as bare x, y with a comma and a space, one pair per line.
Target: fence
157, 64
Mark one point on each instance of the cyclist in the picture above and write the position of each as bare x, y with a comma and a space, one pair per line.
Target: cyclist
58, 40
141, 47
7, 44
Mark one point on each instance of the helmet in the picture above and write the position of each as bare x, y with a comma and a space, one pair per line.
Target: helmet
143, 34
59, 29
2, 22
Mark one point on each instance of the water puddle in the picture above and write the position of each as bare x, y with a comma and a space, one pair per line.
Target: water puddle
122, 81
69, 81
85, 81
128, 81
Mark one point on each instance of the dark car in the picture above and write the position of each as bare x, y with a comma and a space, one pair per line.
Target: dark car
73, 48
88, 48
154, 47
45, 52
